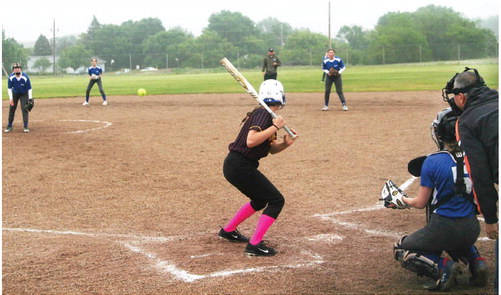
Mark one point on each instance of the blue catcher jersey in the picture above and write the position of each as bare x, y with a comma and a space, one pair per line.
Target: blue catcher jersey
439, 172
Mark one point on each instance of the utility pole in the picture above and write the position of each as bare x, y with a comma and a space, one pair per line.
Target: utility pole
54, 47
281, 35
330, 39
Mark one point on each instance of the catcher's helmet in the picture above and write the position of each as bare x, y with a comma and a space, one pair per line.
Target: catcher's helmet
443, 128
272, 92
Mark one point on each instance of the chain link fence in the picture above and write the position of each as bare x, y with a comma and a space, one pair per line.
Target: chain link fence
369, 55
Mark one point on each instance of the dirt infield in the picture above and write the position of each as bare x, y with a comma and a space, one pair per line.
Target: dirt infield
128, 198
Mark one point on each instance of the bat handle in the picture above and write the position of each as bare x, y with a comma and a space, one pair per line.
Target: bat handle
274, 116
292, 135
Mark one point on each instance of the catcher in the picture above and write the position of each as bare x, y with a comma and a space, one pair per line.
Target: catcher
453, 226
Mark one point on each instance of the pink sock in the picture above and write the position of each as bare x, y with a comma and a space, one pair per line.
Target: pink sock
243, 213
263, 225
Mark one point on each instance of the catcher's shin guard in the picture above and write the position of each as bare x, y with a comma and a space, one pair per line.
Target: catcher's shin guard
415, 261
418, 263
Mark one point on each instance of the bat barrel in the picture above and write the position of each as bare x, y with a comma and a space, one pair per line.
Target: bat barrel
247, 86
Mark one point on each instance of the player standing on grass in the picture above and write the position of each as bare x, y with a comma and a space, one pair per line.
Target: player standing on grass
270, 64
19, 89
255, 140
95, 74
333, 67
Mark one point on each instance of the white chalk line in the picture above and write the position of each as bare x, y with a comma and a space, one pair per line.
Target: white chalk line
403, 186
349, 211
205, 255
93, 235
407, 183
327, 238
106, 124
391, 234
164, 266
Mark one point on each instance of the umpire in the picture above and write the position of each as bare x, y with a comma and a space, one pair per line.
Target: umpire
478, 129
19, 89
270, 65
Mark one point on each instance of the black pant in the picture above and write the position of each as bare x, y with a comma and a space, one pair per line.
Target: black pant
242, 173
91, 84
339, 88
268, 76
16, 97
444, 234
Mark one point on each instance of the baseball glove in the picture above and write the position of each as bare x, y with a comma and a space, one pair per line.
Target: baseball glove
392, 195
29, 105
333, 72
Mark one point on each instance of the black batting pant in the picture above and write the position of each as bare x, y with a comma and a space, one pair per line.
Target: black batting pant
242, 173
16, 97
338, 82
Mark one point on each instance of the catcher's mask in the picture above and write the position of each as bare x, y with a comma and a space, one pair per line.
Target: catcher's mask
272, 92
449, 89
443, 128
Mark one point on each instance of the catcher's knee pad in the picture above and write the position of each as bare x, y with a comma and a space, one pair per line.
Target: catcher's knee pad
418, 263
398, 251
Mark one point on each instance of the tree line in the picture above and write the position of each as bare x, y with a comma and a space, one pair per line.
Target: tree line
431, 33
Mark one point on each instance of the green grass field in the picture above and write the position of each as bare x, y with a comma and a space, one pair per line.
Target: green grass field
402, 77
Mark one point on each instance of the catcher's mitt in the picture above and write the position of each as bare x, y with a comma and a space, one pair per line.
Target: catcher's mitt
333, 72
29, 105
392, 195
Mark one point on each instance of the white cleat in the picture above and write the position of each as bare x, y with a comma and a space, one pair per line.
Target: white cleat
85, 103
325, 108
345, 107
105, 103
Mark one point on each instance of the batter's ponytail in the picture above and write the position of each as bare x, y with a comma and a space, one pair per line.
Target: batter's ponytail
249, 114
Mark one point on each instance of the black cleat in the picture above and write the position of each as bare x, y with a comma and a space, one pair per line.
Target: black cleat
233, 236
259, 250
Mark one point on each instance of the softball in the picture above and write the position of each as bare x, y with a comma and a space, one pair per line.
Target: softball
141, 92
